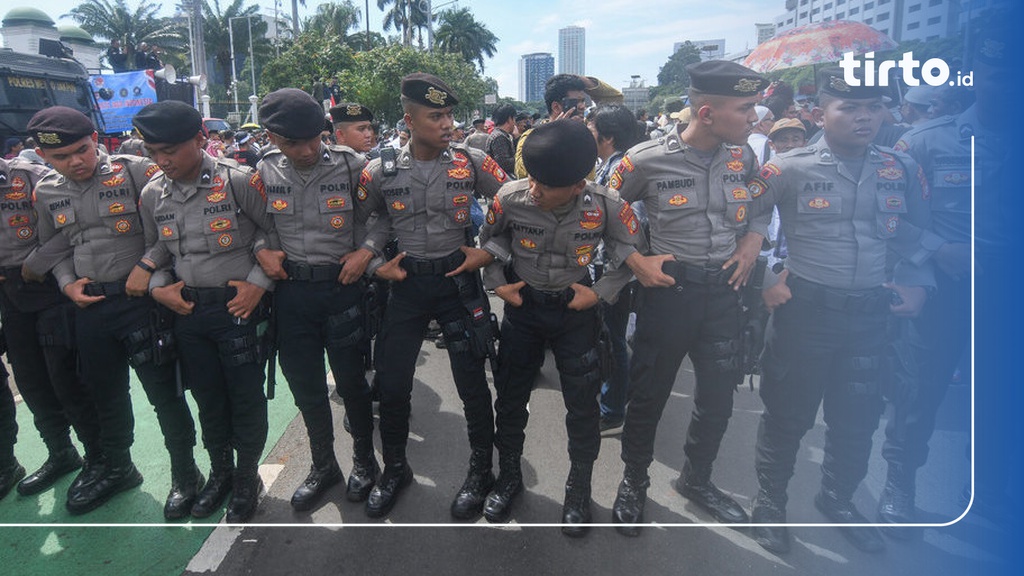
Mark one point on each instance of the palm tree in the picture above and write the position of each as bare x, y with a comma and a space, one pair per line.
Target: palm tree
114, 19
460, 33
216, 23
334, 19
295, 16
398, 18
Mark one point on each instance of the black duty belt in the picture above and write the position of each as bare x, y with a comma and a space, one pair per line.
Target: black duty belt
868, 301
10, 271
683, 272
208, 296
104, 288
434, 266
547, 298
303, 272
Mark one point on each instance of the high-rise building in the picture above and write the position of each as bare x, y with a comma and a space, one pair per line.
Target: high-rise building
572, 48
636, 95
765, 32
901, 20
534, 71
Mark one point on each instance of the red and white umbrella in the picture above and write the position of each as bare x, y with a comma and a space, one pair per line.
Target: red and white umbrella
818, 43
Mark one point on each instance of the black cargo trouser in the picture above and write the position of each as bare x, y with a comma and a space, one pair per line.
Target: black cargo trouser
105, 333
414, 302
524, 332
41, 350
224, 369
312, 317
945, 328
815, 355
704, 321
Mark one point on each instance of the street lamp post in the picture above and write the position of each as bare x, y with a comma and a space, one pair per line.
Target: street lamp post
234, 79
252, 60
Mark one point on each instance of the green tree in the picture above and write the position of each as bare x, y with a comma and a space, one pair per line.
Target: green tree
397, 18
459, 33
216, 23
374, 77
114, 19
295, 16
674, 73
312, 55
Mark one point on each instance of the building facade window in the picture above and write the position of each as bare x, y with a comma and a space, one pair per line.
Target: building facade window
854, 10
882, 17
934, 20
914, 8
913, 26
869, 5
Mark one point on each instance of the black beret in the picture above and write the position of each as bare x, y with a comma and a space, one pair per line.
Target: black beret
351, 112
168, 122
832, 81
292, 113
992, 46
59, 126
560, 153
725, 78
428, 90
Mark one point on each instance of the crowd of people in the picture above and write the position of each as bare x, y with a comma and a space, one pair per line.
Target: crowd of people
624, 244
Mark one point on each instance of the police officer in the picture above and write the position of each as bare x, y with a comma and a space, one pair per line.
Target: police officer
942, 147
843, 202
201, 217
38, 325
426, 193
90, 200
547, 229
353, 126
310, 189
693, 184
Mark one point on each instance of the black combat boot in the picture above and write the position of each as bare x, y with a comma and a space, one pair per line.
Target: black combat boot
10, 473
509, 484
896, 504
838, 508
630, 500
117, 476
222, 470
576, 508
365, 469
323, 474
94, 465
695, 484
770, 508
397, 475
186, 482
63, 459
246, 490
469, 502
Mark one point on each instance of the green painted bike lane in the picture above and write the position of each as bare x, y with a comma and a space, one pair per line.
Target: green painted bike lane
114, 550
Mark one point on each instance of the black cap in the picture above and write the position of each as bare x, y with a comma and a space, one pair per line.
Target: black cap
428, 90
351, 112
560, 153
242, 137
59, 126
832, 81
168, 122
992, 46
292, 113
725, 78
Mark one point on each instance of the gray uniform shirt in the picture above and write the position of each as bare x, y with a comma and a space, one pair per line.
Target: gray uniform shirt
696, 211
317, 220
207, 228
19, 220
428, 207
98, 217
551, 254
839, 227
942, 147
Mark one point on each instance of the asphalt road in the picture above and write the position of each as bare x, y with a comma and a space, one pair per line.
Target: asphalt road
419, 537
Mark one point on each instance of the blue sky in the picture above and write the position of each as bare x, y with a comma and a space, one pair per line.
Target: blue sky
624, 37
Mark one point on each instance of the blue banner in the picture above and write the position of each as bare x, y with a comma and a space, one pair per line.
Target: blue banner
121, 96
